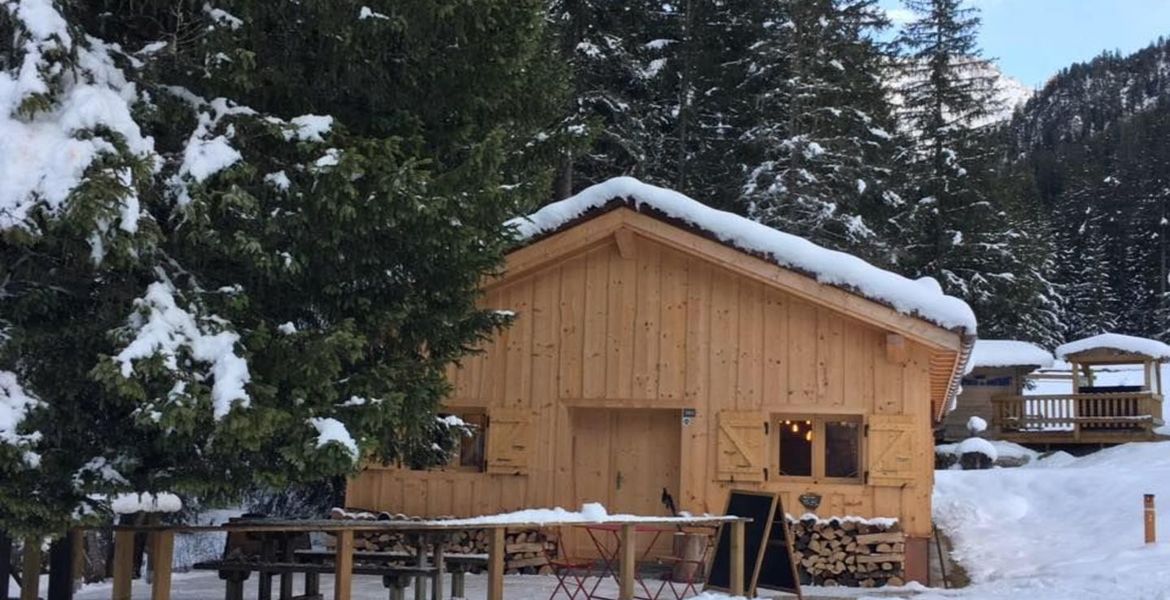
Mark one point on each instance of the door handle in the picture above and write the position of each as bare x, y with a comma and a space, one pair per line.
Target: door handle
619, 480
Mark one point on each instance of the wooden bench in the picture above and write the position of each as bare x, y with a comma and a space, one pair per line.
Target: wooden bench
394, 577
457, 564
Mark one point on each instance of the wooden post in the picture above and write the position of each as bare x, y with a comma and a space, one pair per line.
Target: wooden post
343, 567
736, 576
627, 552
61, 567
78, 558
30, 573
123, 564
5, 563
495, 589
437, 561
1151, 520
162, 556
420, 582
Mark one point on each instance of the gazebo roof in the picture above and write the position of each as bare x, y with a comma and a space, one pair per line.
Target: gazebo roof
1115, 348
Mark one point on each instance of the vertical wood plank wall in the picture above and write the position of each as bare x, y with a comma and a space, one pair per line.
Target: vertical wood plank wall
666, 329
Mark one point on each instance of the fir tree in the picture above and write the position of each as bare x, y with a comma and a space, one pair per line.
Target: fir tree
237, 292
821, 145
956, 226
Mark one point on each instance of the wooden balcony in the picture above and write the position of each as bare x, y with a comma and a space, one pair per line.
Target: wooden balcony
1099, 418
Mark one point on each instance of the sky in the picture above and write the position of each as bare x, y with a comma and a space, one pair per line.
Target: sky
1033, 39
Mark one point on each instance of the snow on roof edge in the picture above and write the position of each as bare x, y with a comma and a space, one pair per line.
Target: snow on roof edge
1009, 353
1116, 341
922, 299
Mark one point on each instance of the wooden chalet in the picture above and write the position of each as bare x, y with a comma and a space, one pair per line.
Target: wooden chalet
997, 368
663, 349
1097, 410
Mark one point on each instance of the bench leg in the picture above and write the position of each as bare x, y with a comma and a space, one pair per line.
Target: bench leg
396, 585
234, 586
420, 582
312, 584
265, 591
457, 584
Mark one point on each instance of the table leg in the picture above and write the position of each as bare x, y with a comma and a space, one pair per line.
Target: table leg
30, 572
420, 582
268, 554
163, 555
437, 561
312, 584
286, 579
343, 566
627, 549
123, 564
736, 575
495, 564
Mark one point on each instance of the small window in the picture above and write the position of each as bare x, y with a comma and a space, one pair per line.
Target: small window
819, 447
471, 445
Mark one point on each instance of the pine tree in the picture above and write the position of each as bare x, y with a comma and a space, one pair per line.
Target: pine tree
820, 150
956, 225
275, 250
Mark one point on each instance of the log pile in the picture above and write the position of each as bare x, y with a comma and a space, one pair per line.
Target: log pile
526, 551
848, 552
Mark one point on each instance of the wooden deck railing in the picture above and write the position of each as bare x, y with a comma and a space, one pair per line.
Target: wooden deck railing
1118, 413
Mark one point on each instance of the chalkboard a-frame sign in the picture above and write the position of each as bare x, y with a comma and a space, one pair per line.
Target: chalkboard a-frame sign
767, 554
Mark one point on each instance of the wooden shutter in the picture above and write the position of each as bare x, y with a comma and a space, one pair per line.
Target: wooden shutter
894, 455
509, 440
742, 446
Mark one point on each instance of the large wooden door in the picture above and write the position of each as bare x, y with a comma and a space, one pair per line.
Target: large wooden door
624, 459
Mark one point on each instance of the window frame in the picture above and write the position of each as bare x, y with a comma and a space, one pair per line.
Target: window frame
456, 461
776, 423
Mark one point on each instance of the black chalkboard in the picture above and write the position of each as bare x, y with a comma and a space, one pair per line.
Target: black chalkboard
778, 569
760, 507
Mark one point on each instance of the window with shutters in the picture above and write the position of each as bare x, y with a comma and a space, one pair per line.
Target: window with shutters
818, 447
467, 448
896, 450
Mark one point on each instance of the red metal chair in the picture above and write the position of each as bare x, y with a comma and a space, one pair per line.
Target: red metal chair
572, 573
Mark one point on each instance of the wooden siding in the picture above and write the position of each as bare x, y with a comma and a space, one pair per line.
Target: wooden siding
668, 329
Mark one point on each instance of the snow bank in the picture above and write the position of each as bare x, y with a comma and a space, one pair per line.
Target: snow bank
1009, 353
978, 446
1064, 532
1116, 341
332, 431
922, 299
163, 328
163, 502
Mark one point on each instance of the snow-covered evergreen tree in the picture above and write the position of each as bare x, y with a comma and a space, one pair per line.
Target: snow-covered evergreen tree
956, 225
241, 247
820, 148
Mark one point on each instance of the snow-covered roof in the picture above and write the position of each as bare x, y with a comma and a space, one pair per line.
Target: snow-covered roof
1116, 341
1009, 353
921, 298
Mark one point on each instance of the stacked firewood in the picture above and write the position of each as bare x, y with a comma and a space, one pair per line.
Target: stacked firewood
525, 550
848, 552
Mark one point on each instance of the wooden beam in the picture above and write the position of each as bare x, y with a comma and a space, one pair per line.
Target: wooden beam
495, 589
123, 564
162, 556
897, 349
343, 566
737, 558
30, 573
627, 246
628, 550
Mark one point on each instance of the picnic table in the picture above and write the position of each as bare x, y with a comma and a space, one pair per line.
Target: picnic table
162, 539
